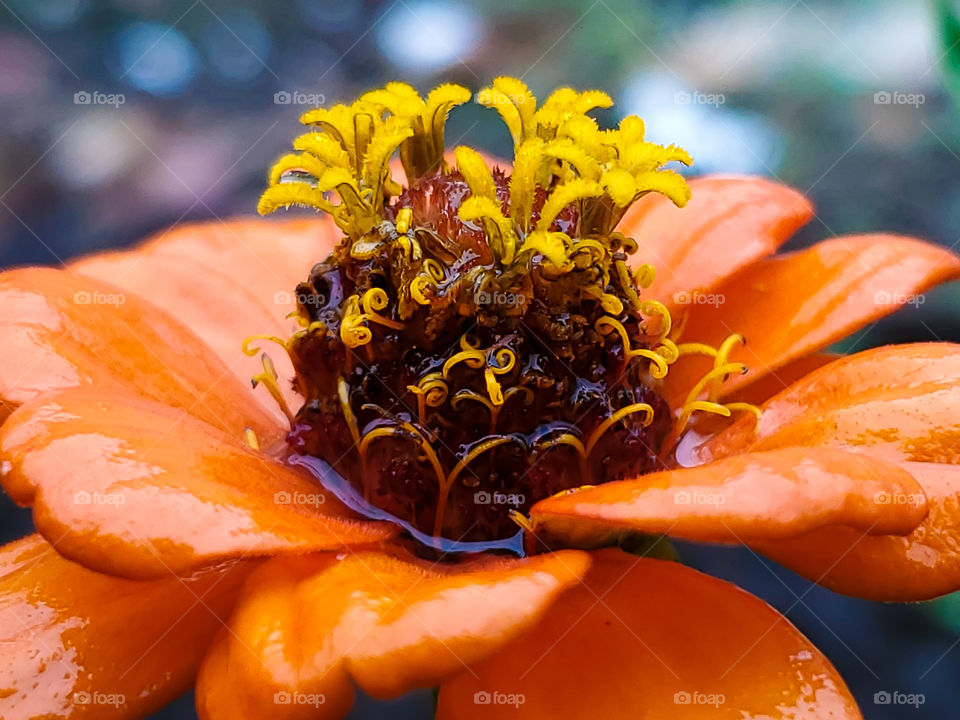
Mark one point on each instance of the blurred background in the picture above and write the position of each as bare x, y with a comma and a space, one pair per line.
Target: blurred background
122, 117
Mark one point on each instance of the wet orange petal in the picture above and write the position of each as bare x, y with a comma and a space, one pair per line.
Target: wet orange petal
790, 306
77, 644
308, 628
134, 488
648, 638
226, 280
62, 330
900, 403
753, 496
922, 565
764, 388
729, 222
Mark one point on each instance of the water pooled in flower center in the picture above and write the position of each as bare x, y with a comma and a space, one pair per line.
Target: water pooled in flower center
478, 340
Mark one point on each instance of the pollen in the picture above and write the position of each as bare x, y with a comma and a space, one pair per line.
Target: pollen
479, 339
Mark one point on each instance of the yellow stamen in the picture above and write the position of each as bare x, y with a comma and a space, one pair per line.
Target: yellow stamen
404, 218
268, 378
615, 418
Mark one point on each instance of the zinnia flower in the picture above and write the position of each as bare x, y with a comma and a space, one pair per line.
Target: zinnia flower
503, 378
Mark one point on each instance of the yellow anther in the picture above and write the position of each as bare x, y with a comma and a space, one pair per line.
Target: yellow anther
703, 406
404, 218
431, 391
417, 286
268, 378
551, 245
472, 358
521, 520
645, 275
493, 387
250, 437
658, 309
251, 350
611, 304
476, 173
658, 364
376, 299
515, 103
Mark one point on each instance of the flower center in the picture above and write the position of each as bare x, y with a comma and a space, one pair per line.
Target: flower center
478, 340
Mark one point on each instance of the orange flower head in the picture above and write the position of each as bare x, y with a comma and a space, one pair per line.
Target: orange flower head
498, 303
479, 347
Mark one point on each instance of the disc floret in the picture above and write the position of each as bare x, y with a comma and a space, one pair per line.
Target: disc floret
478, 333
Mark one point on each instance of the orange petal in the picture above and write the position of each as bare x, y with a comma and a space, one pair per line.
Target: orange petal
729, 222
653, 639
61, 330
899, 402
77, 644
226, 280
754, 496
790, 306
765, 387
134, 488
922, 565
309, 627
